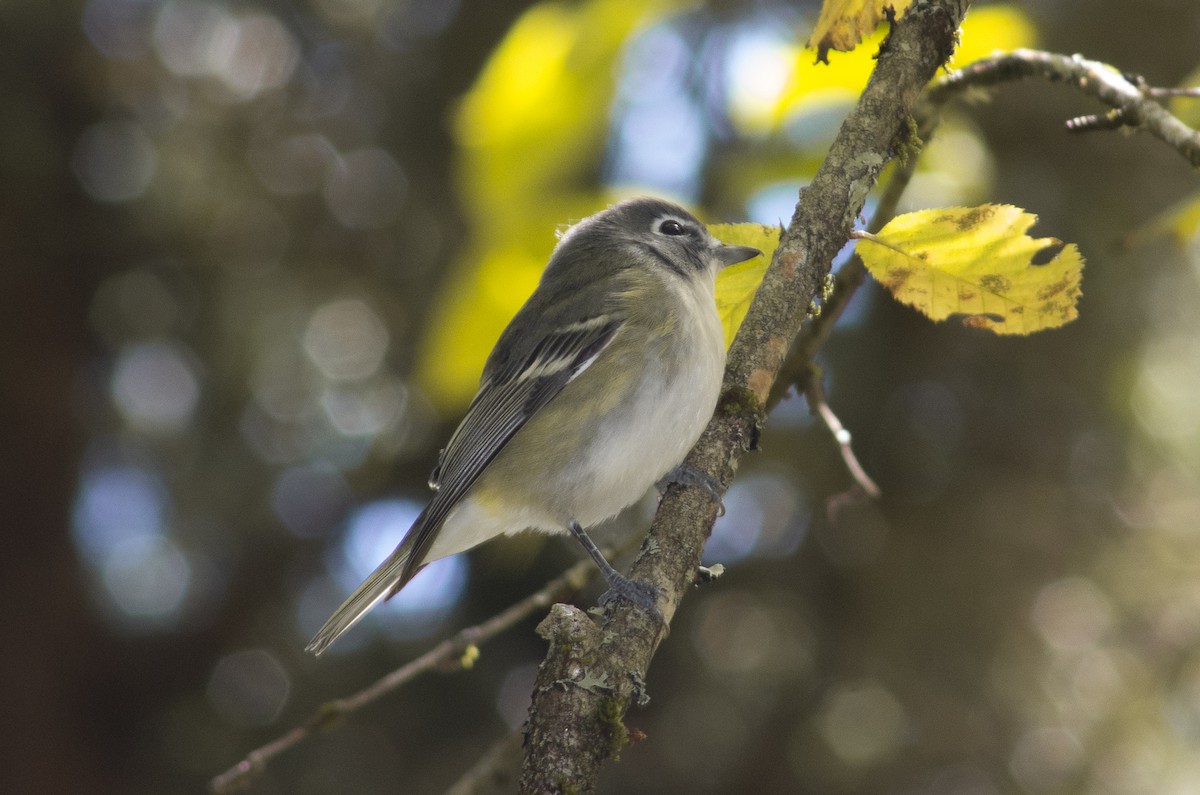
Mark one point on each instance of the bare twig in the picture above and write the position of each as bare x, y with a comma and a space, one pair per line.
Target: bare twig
817, 402
454, 648
496, 771
1161, 93
1133, 102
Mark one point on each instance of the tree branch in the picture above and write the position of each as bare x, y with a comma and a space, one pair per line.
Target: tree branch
591, 675
1132, 100
1129, 95
333, 712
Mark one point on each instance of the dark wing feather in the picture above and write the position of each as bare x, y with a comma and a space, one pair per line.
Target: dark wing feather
513, 390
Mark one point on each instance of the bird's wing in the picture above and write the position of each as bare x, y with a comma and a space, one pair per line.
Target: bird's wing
516, 384
514, 388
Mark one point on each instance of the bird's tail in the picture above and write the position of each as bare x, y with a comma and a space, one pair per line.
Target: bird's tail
386, 580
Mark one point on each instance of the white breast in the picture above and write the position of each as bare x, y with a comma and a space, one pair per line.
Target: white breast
670, 409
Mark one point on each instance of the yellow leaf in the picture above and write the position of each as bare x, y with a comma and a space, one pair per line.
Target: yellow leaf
470, 317
992, 28
1180, 221
815, 87
844, 23
1187, 108
537, 117
978, 264
737, 284
818, 86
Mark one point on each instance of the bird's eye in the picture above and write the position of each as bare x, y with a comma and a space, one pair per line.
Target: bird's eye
672, 227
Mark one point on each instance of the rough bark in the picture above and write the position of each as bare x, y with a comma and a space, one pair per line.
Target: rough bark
593, 672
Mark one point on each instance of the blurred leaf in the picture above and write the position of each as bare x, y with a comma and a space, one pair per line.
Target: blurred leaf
1180, 221
843, 23
1187, 108
991, 28
978, 263
737, 284
469, 321
531, 131
544, 92
815, 86
955, 166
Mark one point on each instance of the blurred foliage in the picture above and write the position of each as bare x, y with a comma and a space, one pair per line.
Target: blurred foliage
1180, 221
534, 131
256, 251
531, 134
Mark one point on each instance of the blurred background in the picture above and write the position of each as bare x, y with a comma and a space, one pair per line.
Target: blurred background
254, 254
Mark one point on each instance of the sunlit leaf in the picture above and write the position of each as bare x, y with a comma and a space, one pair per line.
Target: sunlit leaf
978, 264
818, 85
844, 23
737, 284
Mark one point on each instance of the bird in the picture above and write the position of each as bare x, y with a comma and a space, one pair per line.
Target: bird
594, 392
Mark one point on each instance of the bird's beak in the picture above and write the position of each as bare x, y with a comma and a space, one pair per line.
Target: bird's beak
729, 255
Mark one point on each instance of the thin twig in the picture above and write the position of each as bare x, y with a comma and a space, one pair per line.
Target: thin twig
1193, 92
496, 770
817, 402
330, 713
1133, 101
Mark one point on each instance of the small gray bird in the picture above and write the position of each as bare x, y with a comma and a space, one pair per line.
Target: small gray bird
597, 389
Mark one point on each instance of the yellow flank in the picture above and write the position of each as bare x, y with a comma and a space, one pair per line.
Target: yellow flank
491, 499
